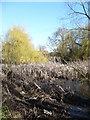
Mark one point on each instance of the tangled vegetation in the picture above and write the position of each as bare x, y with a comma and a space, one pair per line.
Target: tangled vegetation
45, 91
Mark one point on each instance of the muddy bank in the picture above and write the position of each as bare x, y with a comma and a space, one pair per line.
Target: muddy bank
41, 92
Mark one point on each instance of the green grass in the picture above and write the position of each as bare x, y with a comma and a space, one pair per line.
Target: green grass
4, 114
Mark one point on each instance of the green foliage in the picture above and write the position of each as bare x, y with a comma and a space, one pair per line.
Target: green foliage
19, 49
72, 44
4, 112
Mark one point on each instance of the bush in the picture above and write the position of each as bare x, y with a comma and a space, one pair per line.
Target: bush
18, 48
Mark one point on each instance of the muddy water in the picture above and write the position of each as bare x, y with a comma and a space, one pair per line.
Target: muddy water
82, 89
79, 112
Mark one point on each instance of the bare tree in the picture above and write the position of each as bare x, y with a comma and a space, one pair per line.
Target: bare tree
42, 47
79, 14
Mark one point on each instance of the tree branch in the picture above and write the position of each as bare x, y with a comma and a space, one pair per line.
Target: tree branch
85, 14
85, 10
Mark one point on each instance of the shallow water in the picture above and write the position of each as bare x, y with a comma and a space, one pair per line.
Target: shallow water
81, 89
79, 112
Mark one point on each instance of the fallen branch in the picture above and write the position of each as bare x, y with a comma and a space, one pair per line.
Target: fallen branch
37, 85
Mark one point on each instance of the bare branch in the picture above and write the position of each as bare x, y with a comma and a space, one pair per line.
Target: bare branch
85, 10
77, 12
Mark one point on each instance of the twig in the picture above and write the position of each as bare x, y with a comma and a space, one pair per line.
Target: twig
37, 85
